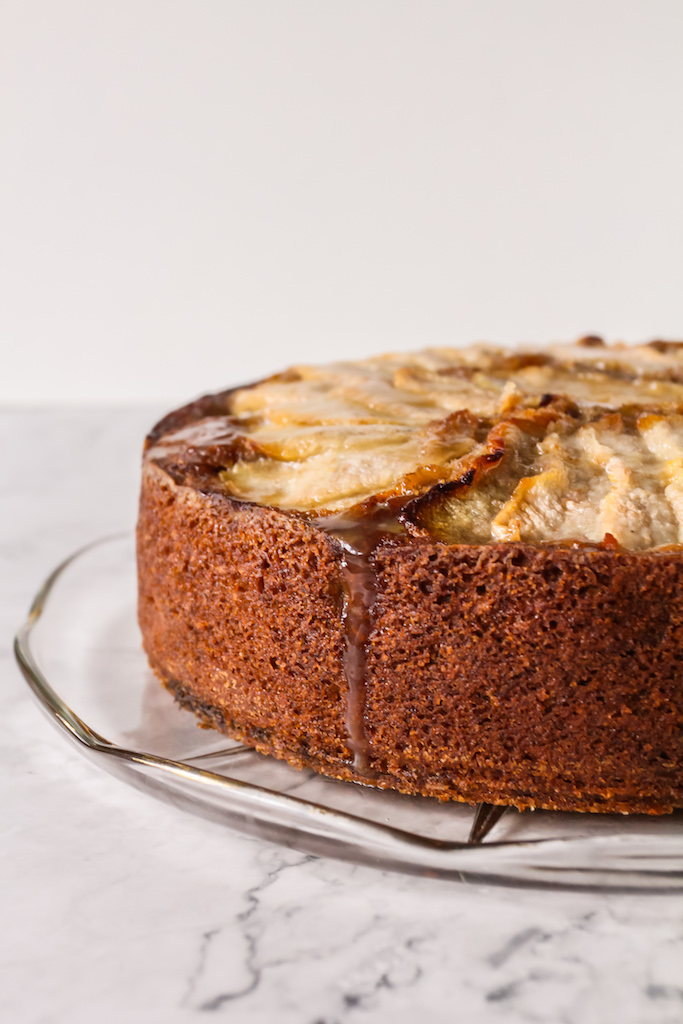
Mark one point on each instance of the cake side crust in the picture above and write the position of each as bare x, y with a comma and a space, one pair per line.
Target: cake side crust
489, 668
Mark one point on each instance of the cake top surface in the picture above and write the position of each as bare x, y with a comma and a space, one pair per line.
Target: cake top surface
579, 442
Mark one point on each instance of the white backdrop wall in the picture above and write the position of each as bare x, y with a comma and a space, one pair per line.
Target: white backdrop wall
196, 192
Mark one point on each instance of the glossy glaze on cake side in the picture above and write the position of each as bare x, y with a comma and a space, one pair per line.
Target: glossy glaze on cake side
531, 674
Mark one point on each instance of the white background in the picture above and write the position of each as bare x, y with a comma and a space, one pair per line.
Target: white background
196, 192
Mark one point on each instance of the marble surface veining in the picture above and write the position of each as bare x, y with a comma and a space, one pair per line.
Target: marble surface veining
119, 908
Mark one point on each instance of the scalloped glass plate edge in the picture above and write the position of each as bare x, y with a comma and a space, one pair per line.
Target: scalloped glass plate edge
624, 862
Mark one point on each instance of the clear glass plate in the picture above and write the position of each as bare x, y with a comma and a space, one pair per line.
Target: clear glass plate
80, 653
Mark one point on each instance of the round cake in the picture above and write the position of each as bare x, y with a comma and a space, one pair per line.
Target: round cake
455, 573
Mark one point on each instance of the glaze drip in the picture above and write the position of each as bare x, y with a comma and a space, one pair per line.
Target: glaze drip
358, 532
360, 594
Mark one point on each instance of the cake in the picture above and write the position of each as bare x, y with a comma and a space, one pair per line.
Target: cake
455, 573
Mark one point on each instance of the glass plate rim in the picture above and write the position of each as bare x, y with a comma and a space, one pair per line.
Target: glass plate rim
382, 835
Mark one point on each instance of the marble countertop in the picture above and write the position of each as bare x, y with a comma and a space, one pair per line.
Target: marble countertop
120, 908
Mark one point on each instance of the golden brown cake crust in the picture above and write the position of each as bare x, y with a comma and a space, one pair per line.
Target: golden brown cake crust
538, 676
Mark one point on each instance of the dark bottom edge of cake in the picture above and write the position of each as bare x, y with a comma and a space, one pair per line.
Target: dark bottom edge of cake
415, 780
